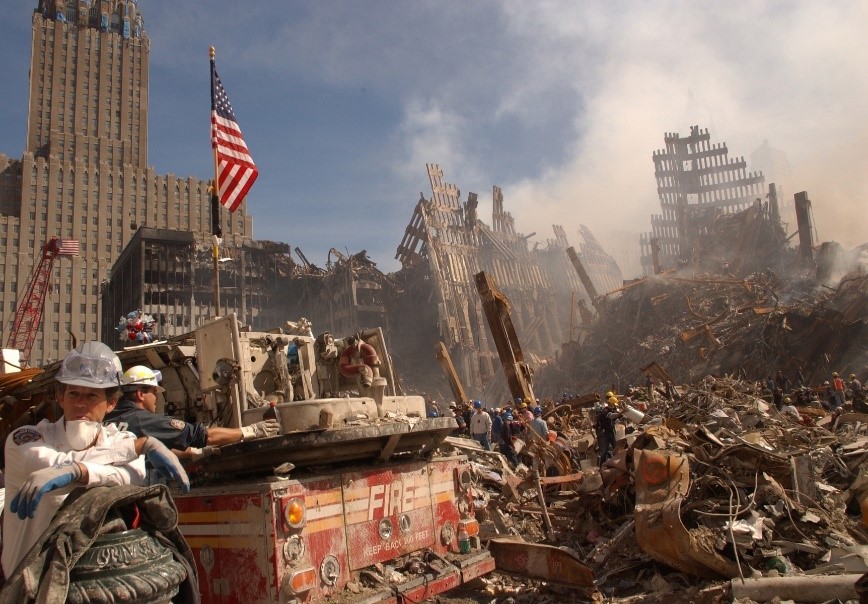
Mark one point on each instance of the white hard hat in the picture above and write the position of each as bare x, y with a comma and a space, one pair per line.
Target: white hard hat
138, 376
92, 365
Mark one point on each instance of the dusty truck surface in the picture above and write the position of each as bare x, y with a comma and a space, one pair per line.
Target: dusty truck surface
348, 501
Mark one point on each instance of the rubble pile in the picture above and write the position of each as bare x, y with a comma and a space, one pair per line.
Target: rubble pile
712, 494
718, 325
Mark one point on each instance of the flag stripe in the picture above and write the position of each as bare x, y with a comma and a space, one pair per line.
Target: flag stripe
68, 247
236, 171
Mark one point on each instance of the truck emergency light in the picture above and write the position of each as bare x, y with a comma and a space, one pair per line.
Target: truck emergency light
301, 581
294, 513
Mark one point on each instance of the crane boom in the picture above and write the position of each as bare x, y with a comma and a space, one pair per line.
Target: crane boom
28, 313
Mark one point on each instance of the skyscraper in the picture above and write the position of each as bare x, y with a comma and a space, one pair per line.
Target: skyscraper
84, 172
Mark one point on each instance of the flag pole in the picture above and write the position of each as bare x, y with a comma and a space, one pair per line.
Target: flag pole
216, 230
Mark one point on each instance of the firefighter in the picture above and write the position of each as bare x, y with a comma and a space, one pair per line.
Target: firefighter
136, 412
45, 462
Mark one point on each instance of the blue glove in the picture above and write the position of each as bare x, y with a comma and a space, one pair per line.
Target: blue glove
162, 458
41, 482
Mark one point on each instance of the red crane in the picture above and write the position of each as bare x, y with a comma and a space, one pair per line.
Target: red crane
28, 313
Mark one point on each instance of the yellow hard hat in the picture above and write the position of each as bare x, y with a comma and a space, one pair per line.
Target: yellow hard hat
613, 400
609, 394
834, 374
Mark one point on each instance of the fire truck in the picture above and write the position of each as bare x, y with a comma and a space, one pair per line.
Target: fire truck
350, 498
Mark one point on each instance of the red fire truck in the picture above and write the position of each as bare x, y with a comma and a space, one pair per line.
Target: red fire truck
349, 498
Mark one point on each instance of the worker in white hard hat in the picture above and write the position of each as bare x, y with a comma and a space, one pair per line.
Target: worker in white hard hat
136, 412
46, 462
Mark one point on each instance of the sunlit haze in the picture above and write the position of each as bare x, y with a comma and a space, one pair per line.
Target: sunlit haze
561, 104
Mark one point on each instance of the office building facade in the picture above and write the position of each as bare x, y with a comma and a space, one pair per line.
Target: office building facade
84, 173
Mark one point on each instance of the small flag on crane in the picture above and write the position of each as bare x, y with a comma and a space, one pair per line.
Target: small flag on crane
68, 247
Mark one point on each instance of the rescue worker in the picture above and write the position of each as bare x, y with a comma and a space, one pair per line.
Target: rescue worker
789, 410
526, 413
508, 433
857, 394
828, 396
459, 419
137, 412
777, 397
45, 462
496, 425
480, 426
604, 425
837, 389
538, 424
781, 381
467, 413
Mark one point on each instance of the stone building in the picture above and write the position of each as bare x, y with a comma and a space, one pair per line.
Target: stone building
84, 173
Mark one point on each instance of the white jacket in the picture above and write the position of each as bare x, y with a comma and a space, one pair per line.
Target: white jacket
111, 461
480, 423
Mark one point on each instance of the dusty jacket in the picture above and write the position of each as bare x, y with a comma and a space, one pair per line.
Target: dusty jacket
43, 574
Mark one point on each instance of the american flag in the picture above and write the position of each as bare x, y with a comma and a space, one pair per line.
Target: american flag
236, 171
68, 247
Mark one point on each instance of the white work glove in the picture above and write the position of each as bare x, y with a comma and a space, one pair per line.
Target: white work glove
198, 454
41, 482
168, 464
263, 429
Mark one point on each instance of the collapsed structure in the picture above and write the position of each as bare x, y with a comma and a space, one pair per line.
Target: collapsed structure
431, 299
445, 245
698, 185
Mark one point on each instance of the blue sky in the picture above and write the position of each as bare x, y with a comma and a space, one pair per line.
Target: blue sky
561, 104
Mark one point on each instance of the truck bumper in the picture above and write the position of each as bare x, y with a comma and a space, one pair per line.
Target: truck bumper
431, 584
459, 572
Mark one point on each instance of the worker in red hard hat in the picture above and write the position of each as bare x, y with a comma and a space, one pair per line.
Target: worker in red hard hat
46, 462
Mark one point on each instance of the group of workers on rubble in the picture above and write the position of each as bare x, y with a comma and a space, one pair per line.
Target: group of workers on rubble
498, 428
834, 395
108, 434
